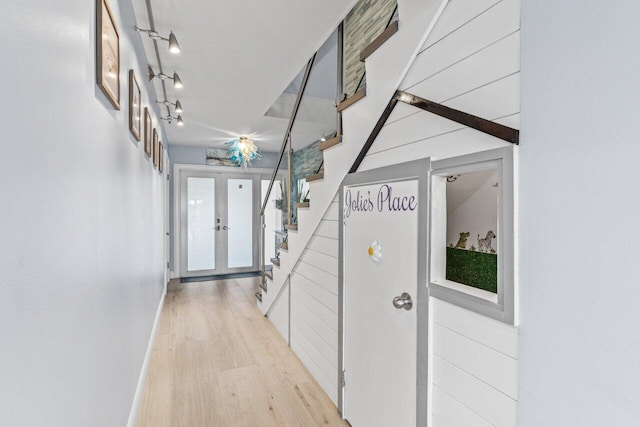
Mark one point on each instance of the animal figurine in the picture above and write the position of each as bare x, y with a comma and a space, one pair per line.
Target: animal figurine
484, 245
462, 241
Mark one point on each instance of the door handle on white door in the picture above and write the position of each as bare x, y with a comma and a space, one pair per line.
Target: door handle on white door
403, 301
224, 227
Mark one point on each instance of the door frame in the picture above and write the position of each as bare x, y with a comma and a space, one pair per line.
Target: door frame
179, 216
417, 169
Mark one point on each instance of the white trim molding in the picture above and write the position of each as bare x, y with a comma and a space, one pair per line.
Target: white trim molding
142, 380
501, 306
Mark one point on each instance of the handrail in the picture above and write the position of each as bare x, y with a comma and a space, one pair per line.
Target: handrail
287, 134
474, 122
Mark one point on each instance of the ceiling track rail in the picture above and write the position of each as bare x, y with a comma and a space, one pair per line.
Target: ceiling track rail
474, 122
152, 27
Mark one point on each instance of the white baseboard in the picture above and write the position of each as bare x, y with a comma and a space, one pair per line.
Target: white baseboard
137, 398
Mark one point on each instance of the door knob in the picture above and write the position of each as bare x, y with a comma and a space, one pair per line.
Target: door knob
224, 227
403, 301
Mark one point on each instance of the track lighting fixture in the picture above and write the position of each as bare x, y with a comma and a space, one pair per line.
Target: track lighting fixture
177, 105
170, 119
174, 47
177, 83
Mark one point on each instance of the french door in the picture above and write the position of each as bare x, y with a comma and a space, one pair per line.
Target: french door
219, 223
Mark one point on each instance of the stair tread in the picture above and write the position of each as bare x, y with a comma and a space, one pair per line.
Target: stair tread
275, 261
268, 275
302, 205
259, 296
353, 99
293, 227
263, 286
330, 143
315, 177
379, 40
284, 245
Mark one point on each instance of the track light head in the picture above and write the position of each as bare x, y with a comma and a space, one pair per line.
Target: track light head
174, 47
177, 83
178, 106
180, 121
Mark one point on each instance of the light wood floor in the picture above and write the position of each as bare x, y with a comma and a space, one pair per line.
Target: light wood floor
218, 362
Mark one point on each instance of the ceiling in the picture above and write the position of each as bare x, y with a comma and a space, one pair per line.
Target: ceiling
238, 58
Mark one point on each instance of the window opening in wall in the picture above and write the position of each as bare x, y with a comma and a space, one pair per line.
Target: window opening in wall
472, 223
472, 233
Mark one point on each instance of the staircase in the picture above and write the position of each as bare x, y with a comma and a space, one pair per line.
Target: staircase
387, 60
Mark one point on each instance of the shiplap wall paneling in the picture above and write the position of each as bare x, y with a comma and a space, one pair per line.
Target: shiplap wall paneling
314, 304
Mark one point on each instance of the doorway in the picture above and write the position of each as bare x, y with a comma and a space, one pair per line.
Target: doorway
384, 296
219, 223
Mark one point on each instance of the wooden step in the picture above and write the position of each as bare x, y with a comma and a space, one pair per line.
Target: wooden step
275, 261
353, 99
284, 246
268, 275
302, 205
263, 286
379, 41
293, 227
315, 177
259, 296
330, 142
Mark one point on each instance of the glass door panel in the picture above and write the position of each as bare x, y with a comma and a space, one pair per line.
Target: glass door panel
240, 223
201, 215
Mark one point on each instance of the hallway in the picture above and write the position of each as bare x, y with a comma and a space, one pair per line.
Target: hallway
218, 362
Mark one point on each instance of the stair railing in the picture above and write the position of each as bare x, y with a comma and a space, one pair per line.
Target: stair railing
286, 147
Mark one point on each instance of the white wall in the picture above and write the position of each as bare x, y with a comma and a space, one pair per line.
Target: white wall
476, 215
580, 351
81, 229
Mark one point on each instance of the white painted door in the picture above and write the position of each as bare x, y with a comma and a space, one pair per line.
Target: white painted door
219, 223
380, 341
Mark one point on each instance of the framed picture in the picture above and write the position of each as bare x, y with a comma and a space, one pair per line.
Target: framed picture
148, 125
160, 156
107, 53
218, 157
155, 148
135, 106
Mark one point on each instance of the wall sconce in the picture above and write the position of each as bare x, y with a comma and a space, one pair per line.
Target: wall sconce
170, 119
177, 83
174, 47
177, 105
